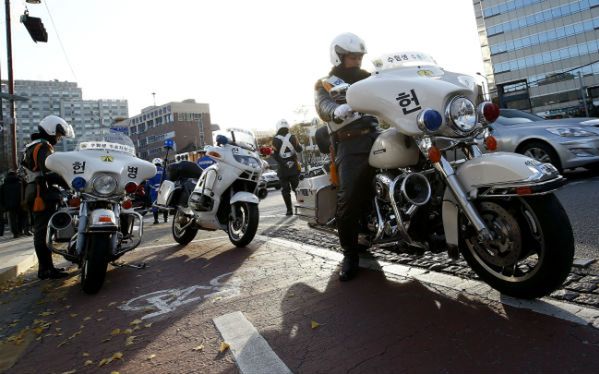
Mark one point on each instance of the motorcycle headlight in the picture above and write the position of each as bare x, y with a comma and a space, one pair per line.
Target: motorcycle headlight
104, 184
571, 132
461, 113
248, 161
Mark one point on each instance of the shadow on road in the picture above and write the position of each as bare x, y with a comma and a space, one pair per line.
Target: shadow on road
373, 325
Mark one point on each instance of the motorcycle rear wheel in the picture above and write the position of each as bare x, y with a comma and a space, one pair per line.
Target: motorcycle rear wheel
533, 247
243, 228
186, 235
95, 262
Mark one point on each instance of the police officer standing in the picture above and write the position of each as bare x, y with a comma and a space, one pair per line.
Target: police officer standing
285, 149
41, 194
352, 135
153, 186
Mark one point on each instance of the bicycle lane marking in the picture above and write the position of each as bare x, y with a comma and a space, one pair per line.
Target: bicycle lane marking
166, 301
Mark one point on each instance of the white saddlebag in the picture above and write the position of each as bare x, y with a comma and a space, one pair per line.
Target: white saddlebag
316, 199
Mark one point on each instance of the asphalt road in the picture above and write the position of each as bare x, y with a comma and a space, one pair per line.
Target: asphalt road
277, 305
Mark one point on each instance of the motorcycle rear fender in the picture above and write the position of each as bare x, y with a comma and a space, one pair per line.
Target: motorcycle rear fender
165, 192
500, 173
244, 196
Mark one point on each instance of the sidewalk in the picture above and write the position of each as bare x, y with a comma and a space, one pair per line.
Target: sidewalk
16, 256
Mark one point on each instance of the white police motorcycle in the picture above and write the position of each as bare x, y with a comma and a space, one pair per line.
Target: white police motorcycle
497, 209
225, 196
98, 224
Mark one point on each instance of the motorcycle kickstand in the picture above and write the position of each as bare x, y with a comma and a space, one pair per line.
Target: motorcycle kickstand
141, 265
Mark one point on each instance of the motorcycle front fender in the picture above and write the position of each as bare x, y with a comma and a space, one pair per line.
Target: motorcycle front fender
500, 174
247, 197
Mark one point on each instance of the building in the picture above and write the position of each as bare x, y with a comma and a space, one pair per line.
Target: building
89, 118
541, 55
187, 123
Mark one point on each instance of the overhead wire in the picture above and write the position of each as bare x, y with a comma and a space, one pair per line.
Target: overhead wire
60, 41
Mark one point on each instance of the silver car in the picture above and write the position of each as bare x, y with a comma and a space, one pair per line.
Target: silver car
566, 143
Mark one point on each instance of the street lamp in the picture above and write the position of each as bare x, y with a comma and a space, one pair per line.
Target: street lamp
36, 29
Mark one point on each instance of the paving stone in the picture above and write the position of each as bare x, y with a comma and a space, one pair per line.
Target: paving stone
581, 287
564, 294
588, 300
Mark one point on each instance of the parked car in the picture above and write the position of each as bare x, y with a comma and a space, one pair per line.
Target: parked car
271, 179
566, 143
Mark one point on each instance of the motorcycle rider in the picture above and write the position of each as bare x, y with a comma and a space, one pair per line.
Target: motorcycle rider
352, 135
153, 186
41, 194
285, 149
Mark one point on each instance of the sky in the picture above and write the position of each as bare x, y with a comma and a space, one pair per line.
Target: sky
254, 62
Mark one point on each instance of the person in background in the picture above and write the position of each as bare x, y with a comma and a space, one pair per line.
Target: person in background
153, 185
11, 193
41, 193
285, 148
353, 135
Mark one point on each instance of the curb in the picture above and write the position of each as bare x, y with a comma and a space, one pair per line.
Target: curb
11, 266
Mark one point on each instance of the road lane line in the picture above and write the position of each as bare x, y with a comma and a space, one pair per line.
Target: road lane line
250, 350
551, 307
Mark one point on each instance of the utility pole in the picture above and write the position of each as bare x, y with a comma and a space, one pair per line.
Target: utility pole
11, 88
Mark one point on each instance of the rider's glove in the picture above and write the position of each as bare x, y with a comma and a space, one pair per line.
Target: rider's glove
342, 112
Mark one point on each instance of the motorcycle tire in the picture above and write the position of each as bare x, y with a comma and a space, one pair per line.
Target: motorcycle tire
533, 247
243, 228
95, 262
185, 236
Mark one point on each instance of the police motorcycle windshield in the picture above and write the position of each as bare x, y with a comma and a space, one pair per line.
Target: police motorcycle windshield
240, 137
113, 141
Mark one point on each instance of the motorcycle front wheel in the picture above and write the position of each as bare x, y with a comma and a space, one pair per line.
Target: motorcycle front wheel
95, 262
243, 227
532, 249
183, 229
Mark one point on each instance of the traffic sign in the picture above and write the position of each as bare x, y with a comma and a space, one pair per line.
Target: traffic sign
204, 162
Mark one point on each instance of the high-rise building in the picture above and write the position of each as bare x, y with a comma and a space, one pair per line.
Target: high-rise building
541, 55
187, 123
88, 117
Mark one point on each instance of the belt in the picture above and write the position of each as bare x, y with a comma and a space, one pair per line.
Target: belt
347, 134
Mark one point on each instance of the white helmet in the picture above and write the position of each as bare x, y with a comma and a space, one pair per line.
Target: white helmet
157, 162
344, 44
282, 124
53, 125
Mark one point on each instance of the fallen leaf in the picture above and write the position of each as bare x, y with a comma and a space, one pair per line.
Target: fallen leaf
135, 322
85, 354
148, 325
74, 335
67, 307
127, 331
58, 329
150, 357
88, 362
114, 372
87, 318
61, 344
100, 310
199, 348
315, 324
112, 303
106, 340
100, 319
117, 356
69, 372
38, 330
46, 313
73, 315
130, 340
103, 362
115, 332
223, 347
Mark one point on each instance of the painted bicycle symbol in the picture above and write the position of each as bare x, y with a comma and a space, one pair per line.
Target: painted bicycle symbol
166, 301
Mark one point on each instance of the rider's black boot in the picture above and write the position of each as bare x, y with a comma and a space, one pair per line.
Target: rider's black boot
349, 266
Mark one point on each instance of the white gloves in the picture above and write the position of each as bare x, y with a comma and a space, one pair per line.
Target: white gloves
342, 112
